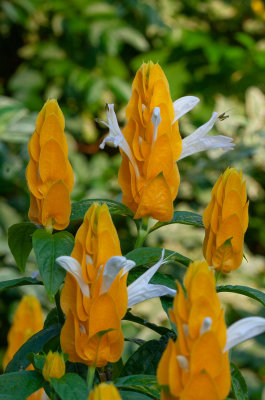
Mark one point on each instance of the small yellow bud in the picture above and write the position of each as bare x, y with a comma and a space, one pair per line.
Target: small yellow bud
104, 392
54, 366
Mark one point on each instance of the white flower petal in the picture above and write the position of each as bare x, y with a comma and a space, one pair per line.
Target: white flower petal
184, 105
198, 141
243, 330
137, 295
112, 268
72, 266
141, 290
116, 137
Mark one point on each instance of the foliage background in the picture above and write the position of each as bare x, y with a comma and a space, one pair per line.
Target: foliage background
85, 53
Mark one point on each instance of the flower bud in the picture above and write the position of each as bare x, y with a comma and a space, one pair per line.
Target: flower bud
226, 220
104, 392
54, 366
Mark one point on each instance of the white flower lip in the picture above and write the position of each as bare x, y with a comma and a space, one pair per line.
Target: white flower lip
183, 105
116, 137
244, 329
112, 268
198, 141
141, 289
72, 266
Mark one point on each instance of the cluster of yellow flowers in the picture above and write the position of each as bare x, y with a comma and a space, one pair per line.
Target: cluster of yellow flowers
95, 296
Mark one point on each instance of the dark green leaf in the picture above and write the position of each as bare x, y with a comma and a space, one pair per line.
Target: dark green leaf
181, 217
126, 395
150, 255
159, 329
146, 384
18, 282
19, 385
80, 208
47, 248
239, 386
245, 290
52, 318
70, 387
20, 242
34, 344
146, 358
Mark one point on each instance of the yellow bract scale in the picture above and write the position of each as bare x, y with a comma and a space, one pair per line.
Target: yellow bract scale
104, 391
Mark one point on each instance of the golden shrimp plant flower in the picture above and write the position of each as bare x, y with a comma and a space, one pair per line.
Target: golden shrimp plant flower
27, 321
104, 391
226, 220
151, 144
49, 173
197, 364
95, 295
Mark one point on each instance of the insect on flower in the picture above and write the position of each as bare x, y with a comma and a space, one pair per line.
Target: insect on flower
223, 116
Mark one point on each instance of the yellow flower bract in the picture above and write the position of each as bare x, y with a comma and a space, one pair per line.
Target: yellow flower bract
54, 366
153, 192
87, 318
195, 366
226, 220
49, 173
104, 392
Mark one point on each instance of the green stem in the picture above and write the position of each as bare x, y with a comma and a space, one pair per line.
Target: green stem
217, 276
90, 376
58, 307
142, 233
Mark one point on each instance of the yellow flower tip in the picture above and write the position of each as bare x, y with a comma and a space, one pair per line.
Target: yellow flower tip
104, 391
54, 366
28, 320
196, 363
226, 220
49, 173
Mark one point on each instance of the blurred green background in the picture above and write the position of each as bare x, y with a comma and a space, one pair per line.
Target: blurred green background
85, 53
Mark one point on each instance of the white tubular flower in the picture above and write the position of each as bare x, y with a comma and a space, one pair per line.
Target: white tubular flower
112, 268
243, 330
141, 289
198, 141
72, 266
116, 137
184, 105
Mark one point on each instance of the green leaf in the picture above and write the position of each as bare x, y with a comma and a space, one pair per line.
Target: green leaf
126, 395
146, 358
239, 386
70, 387
20, 242
150, 255
34, 344
245, 290
159, 329
80, 208
18, 282
181, 217
19, 385
146, 384
47, 248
